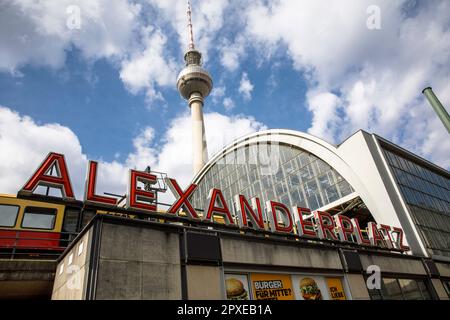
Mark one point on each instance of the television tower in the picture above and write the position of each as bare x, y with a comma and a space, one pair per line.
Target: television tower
195, 84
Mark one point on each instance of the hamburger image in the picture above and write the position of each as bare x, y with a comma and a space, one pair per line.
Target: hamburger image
235, 289
309, 289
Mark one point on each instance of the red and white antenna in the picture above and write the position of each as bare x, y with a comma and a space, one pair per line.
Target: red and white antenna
191, 33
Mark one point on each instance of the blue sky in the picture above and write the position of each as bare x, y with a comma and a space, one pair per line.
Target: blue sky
106, 90
90, 99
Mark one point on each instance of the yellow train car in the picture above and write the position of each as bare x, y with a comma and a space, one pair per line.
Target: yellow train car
33, 225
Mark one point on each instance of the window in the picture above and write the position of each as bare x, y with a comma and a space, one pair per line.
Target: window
424, 290
427, 196
39, 218
8, 215
293, 177
410, 289
71, 220
401, 289
391, 289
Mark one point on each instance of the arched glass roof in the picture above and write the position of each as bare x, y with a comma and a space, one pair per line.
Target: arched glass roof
278, 172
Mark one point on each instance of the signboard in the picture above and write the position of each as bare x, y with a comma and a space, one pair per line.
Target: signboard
335, 289
310, 287
272, 287
236, 287
249, 211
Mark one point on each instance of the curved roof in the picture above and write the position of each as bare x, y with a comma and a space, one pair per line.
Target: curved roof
316, 146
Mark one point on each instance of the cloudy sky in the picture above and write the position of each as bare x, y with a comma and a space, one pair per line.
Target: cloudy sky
95, 79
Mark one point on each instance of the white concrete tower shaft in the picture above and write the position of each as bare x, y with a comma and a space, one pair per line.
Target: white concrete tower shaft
195, 84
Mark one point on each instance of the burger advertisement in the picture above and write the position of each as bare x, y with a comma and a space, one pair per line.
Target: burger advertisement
272, 287
309, 289
236, 286
260, 286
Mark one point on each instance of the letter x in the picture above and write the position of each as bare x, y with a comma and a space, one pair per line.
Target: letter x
183, 198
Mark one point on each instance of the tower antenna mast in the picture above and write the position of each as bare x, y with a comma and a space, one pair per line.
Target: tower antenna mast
191, 32
195, 84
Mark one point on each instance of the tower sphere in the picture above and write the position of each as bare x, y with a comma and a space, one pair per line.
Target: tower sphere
193, 78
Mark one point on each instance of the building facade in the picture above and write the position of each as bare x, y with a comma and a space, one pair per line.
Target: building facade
365, 176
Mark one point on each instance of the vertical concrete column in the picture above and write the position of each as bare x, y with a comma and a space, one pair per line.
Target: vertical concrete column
357, 286
204, 282
199, 148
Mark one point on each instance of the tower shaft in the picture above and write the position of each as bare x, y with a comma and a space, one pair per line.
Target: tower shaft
199, 147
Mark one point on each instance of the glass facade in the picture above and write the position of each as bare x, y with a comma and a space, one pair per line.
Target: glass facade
273, 172
401, 289
427, 194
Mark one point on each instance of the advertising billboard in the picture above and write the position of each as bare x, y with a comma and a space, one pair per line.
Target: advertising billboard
236, 287
271, 286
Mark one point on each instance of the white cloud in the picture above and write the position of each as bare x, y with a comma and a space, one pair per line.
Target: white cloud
369, 79
246, 87
24, 145
361, 78
207, 17
229, 104
218, 93
324, 106
36, 32
232, 53
145, 69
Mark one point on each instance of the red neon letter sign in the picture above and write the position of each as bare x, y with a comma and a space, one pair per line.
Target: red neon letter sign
215, 195
272, 208
345, 227
386, 232
183, 198
375, 237
61, 181
136, 196
90, 187
302, 224
400, 238
359, 235
325, 230
244, 210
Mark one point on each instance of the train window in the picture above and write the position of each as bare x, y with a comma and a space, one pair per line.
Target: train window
8, 215
71, 220
39, 218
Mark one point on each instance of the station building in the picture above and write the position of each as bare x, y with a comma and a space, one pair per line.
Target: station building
131, 252
365, 177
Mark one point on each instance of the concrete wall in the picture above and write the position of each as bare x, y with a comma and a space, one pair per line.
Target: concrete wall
201, 289
357, 287
394, 265
141, 261
244, 251
71, 273
391, 264
26, 279
138, 263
